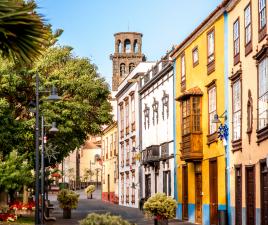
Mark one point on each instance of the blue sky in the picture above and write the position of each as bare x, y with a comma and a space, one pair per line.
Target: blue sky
89, 25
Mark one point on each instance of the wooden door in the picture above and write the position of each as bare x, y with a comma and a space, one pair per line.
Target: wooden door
238, 196
198, 198
250, 195
147, 186
213, 186
109, 187
264, 194
184, 192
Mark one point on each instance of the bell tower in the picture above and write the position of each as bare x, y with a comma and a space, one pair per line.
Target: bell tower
127, 55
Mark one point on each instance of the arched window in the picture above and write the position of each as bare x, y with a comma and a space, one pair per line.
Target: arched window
127, 46
119, 45
131, 67
122, 69
136, 46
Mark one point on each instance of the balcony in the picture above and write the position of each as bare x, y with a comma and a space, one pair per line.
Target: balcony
192, 147
165, 151
153, 153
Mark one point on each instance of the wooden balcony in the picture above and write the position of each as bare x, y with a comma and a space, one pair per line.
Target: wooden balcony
192, 147
153, 153
165, 151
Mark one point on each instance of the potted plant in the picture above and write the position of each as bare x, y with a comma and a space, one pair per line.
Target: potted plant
68, 200
89, 190
95, 219
161, 207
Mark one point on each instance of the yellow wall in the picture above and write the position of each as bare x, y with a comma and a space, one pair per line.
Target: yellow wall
109, 164
197, 76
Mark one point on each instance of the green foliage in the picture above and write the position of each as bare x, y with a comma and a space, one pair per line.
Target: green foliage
23, 33
68, 199
90, 189
81, 112
160, 205
14, 172
103, 219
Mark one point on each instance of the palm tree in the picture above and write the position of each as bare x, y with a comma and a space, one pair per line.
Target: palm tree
23, 33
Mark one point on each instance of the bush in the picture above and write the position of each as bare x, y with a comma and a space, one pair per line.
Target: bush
90, 189
161, 206
68, 199
103, 219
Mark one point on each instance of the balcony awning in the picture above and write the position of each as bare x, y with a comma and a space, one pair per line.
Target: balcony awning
195, 91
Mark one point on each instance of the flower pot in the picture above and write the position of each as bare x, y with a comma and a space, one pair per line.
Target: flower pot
160, 221
67, 213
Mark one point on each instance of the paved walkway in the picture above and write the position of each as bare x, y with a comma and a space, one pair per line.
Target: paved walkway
86, 206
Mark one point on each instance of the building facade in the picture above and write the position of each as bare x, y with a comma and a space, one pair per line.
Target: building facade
128, 132
199, 92
156, 126
127, 55
110, 164
248, 94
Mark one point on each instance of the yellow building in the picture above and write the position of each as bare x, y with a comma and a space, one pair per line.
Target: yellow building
110, 164
199, 91
248, 94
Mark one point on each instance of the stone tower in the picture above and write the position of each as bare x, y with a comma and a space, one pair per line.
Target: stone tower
127, 55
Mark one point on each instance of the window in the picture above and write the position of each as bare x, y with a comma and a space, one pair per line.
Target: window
106, 145
127, 187
122, 69
127, 46
247, 15
121, 120
146, 116
115, 147
132, 108
211, 49
237, 110
183, 73
122, 154
119, 47
122, 188
127, 115
131, 67
103, 149
262, 19
127, 153
155, 111
262, 14
186, 117
212, 108
133, 188
111, 145
167, 183
195, 57
236, 41
136, 46
263, 94
165, 100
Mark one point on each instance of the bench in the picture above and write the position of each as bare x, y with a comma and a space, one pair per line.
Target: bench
48, 207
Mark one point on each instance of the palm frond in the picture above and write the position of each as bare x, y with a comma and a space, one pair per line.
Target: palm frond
23, 33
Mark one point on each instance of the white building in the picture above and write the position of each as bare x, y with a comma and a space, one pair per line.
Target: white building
156, 96
128, 132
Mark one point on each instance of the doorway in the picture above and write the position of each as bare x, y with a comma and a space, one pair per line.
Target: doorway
250, 195
238, 195
198, 193
264, 194
185, 192
108, 187
213, 193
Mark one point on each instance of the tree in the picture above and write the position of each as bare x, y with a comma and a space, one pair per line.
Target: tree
14, 173
83, 110
23, 33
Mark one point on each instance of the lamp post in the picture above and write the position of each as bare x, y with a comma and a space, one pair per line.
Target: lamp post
53, 96
223, 135
52, 130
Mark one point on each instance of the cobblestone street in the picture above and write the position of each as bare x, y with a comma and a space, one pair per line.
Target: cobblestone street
95, 205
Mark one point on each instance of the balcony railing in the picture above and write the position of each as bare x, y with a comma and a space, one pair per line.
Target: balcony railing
165, 150
153, 153
192, 147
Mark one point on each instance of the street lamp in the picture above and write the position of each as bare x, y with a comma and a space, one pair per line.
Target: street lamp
53, 96
54, 129
223, 135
